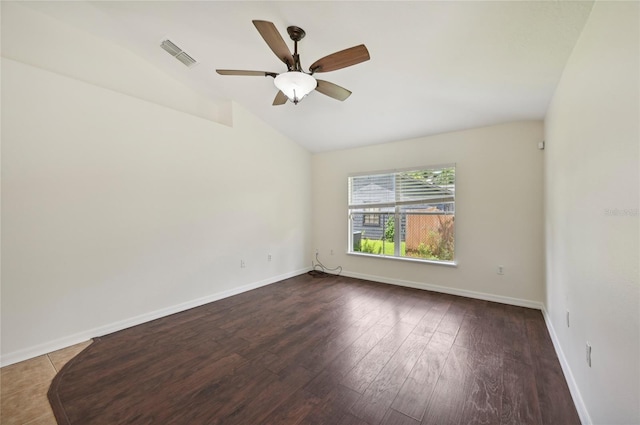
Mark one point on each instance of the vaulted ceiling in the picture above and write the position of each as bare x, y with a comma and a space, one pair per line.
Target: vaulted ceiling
435, 66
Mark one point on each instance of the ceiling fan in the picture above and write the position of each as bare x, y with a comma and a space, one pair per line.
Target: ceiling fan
295, 84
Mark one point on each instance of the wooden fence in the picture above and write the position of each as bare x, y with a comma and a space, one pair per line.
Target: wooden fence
421, 228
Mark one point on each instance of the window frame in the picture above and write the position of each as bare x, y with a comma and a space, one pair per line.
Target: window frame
397, 205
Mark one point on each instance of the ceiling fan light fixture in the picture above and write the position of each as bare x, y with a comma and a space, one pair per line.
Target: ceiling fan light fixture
295, 85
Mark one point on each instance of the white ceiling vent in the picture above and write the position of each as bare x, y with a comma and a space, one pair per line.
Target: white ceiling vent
178, 53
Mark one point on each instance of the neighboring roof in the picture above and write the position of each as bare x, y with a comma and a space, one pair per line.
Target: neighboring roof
380, 190
372, 194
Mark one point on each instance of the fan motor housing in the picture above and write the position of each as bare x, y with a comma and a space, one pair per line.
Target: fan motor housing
296, 33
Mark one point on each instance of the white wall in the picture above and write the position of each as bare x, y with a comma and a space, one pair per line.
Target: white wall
116, 209
498, 211
593, 137
34, 38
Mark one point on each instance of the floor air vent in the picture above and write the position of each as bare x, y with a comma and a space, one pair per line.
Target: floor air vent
178, 53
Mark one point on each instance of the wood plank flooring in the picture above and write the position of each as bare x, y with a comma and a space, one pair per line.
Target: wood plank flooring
317, 351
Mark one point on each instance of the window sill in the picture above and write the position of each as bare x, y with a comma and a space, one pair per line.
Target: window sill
409, 259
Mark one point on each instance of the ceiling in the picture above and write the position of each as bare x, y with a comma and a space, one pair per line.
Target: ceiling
435, 66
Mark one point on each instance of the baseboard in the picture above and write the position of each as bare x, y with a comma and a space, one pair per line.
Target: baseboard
585, 418
60, 343
447, 290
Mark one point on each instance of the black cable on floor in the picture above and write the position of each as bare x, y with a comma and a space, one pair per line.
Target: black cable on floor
320, 270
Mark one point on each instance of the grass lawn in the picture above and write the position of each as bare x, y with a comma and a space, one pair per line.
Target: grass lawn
380, 247
374, 246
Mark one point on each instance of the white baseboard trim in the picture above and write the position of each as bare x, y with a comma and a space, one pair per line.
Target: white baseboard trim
60, 343
447, 290
585, 418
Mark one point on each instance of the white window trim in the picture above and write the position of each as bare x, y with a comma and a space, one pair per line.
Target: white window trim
453, 263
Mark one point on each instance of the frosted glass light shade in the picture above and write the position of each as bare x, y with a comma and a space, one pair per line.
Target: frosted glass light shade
295, 85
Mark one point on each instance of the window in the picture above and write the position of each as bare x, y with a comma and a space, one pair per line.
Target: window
371, 219
414, 214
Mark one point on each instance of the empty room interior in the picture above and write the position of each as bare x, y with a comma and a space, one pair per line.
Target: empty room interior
320, 212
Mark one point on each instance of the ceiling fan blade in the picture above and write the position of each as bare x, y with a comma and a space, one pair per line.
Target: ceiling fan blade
280, 99
341, 59
332, 90
245, 73
274, 40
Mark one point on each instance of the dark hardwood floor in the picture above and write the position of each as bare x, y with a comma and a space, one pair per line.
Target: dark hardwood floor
330, 350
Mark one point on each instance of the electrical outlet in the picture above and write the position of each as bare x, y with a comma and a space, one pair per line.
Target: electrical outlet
242, 264
332, 252
268, 257
588, 354
568, 318
316, 251
500, 270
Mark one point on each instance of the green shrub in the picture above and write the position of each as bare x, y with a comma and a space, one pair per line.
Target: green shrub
390, 229
370, 247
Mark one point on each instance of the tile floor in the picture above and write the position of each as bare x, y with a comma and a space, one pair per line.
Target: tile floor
24, 386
